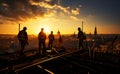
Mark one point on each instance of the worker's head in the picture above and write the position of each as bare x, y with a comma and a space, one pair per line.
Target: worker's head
51, 32
24, 28
79, 28
42, 29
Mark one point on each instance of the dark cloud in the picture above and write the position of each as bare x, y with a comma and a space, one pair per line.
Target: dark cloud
38, 0
51, 2
19, 9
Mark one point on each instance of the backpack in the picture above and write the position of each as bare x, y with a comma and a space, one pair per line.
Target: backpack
21, 35
81, 35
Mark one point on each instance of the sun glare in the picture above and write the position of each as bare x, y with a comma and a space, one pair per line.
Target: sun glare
46, 29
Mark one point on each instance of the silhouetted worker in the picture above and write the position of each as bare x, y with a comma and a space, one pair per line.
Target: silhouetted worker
42, 38
23, 39
60, 41
81, 38
51, 39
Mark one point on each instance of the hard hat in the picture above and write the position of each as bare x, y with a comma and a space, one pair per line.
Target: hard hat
25, 28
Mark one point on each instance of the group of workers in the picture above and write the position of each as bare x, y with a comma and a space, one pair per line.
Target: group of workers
23, 39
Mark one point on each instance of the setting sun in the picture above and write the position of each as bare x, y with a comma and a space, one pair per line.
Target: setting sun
46, 28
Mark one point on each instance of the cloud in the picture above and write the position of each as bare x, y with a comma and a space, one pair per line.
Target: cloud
74, 18
75, 11
52, 6
22, 10
19, 9
48, 0
64, 9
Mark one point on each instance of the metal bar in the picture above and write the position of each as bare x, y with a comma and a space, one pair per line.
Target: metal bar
42, 61
45, 69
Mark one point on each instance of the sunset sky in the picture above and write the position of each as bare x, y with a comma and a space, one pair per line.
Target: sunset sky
63, 15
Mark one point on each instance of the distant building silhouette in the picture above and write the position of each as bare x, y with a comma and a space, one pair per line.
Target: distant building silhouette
95, 31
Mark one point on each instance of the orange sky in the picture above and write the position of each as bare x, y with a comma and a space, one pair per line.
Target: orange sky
68, 26
51, 16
